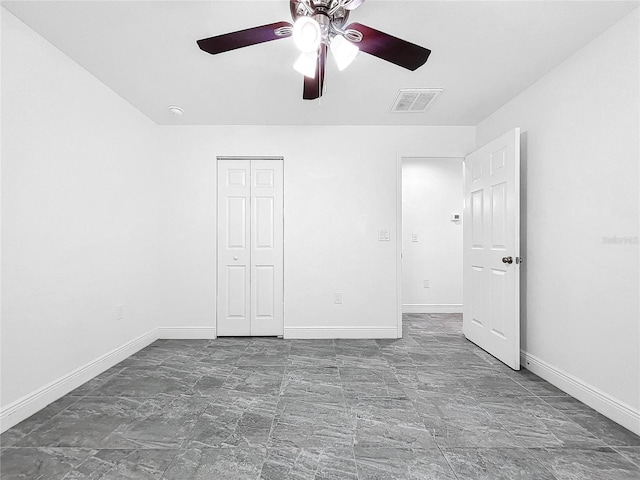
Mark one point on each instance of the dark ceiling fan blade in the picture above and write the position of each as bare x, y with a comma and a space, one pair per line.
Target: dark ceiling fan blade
244, 38
390, 48
313, 86
353, 4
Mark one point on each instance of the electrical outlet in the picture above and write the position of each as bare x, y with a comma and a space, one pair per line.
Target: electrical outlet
119, 312
427, 284
337, 298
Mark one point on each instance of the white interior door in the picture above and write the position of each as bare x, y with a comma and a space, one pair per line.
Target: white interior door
491, 248
267, 261
250, 248
234, 252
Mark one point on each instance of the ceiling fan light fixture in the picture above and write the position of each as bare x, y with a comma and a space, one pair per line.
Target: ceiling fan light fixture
307, 34
306, 64
344, 52
317, 26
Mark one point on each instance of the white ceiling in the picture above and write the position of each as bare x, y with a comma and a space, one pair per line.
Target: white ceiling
483, 54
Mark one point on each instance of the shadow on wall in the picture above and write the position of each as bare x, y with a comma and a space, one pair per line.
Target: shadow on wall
523, 241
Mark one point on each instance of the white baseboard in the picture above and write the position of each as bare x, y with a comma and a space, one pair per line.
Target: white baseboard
340, 332
26, 406
610, 407
186, 333
432, 308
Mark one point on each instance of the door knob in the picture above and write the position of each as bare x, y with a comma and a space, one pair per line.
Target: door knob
507, 260
235, 258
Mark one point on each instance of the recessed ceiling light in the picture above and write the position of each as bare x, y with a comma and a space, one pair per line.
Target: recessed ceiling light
175, 109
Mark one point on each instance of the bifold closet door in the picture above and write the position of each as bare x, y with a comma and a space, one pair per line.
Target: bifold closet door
234, 248
267, 253
250, 248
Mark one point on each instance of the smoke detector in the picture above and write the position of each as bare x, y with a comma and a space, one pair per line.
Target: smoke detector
415, 100
176, 110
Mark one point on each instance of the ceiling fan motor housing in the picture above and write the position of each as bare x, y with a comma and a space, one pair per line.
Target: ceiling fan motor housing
327, 13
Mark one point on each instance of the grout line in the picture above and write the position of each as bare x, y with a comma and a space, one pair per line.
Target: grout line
355, 424
446, 460
386, 368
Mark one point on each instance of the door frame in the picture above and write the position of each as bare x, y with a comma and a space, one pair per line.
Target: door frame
399, 157
215, 220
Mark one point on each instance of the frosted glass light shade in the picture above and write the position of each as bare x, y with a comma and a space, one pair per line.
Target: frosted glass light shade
344, 52
307, 34
306, 64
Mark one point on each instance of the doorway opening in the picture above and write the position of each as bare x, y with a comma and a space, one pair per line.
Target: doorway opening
489, 293
431, 234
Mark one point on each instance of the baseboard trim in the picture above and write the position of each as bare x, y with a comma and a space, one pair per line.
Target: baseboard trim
610, 407
186, 333
31, 403
340, 332
432, 308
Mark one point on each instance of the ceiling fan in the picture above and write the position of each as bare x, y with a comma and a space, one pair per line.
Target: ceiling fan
320, 25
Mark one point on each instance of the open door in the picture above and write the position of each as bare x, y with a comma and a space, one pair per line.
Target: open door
491, 246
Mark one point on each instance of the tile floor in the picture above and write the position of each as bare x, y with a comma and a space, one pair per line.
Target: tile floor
428, 406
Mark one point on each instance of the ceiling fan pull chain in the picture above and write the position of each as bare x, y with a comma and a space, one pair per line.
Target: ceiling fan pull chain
319, 81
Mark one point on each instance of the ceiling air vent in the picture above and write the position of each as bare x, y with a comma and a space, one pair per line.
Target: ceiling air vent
415, 100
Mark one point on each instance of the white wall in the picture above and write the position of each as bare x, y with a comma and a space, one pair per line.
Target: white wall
340, 189
431, 192
581, 147
101, 207
80, 217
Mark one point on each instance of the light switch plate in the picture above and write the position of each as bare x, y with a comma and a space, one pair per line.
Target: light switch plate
414, 237
337, 298
384, 235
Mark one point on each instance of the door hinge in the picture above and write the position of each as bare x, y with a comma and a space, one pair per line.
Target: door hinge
519, 260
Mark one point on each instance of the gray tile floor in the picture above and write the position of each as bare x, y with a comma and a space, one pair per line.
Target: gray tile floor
428, 406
